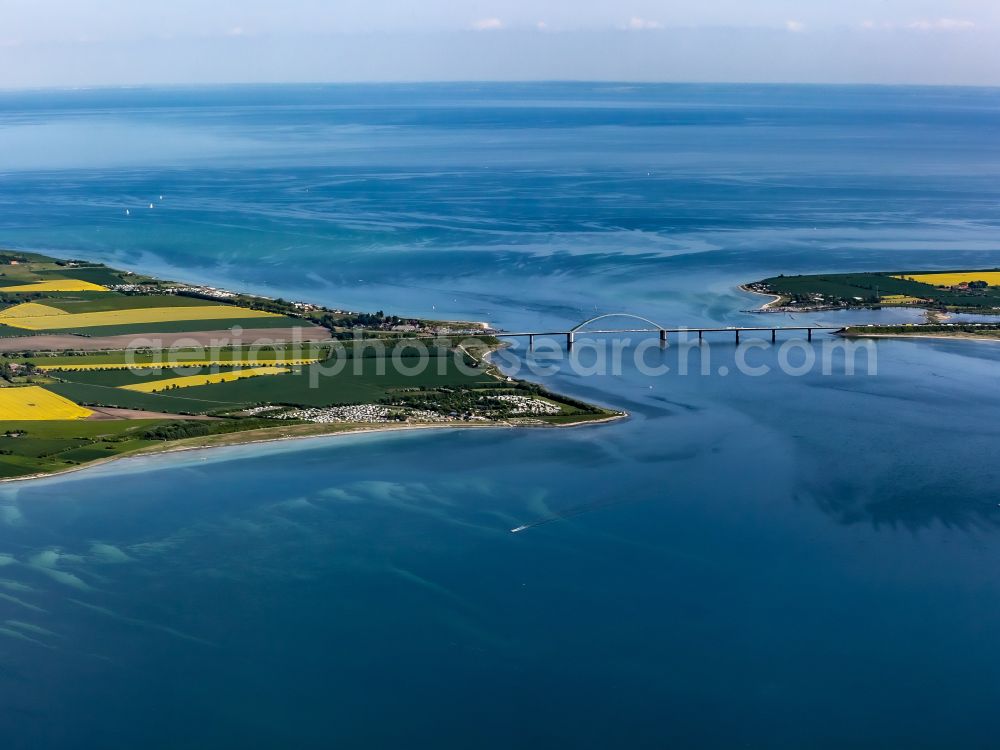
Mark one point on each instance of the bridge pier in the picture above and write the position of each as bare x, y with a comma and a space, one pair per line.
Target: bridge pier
701, 335
531, 342
570, 340
663, 337
737, 336
809, 336
774, 335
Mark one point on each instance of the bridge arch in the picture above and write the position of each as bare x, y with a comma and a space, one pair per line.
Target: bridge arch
579, 326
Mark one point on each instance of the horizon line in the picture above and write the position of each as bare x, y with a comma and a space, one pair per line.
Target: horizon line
486, 82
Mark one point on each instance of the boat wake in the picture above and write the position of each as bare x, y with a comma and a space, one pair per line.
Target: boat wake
578, 510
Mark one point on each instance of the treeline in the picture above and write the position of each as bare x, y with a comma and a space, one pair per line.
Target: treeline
466, 402
376, 320
533, 389
16, 299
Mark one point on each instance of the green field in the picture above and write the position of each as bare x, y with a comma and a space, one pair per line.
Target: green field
180, 355
105, 301
42, 447
343, 388
118, 378
181, 326
94, 274
99, 395
45, 269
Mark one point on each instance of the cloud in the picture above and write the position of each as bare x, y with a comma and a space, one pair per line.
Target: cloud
923, 24
488, 24
942, 24
795, 26
642, 24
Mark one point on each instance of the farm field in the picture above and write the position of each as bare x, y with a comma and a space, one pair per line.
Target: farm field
164, 363
204, 356
37, 317
208, 378
55, 285
955, 277
183, 326
114, 301
103, 395
39, 447
49, 344
358, 382
35, 403
122, 377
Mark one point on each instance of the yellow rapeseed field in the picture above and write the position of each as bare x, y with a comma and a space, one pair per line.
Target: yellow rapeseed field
208, 379
29, 310
57, 285
179, 363
51, 320
951, 279
35, 403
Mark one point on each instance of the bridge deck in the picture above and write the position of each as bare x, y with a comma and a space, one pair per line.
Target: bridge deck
737, 329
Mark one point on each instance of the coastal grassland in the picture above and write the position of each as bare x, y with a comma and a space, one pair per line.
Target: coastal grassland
42, 447
208, 378
36, 403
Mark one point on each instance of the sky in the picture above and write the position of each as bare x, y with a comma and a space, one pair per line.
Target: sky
130, 42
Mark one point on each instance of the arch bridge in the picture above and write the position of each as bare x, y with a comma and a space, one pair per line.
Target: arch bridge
651, 326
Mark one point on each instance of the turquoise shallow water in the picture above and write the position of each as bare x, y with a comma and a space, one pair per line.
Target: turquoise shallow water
769, 561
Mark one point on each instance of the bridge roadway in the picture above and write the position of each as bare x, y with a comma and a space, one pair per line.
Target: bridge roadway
737, 330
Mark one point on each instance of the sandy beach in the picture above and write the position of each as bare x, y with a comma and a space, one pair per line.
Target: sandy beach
301, 432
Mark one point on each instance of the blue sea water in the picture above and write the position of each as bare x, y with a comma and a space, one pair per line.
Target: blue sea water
768, 562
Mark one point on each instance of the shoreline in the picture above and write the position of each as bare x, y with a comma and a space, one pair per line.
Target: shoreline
312, 431
767, 305
942, 336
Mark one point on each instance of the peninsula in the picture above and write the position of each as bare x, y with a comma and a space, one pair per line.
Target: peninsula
938, 293
97, 363
974, 291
